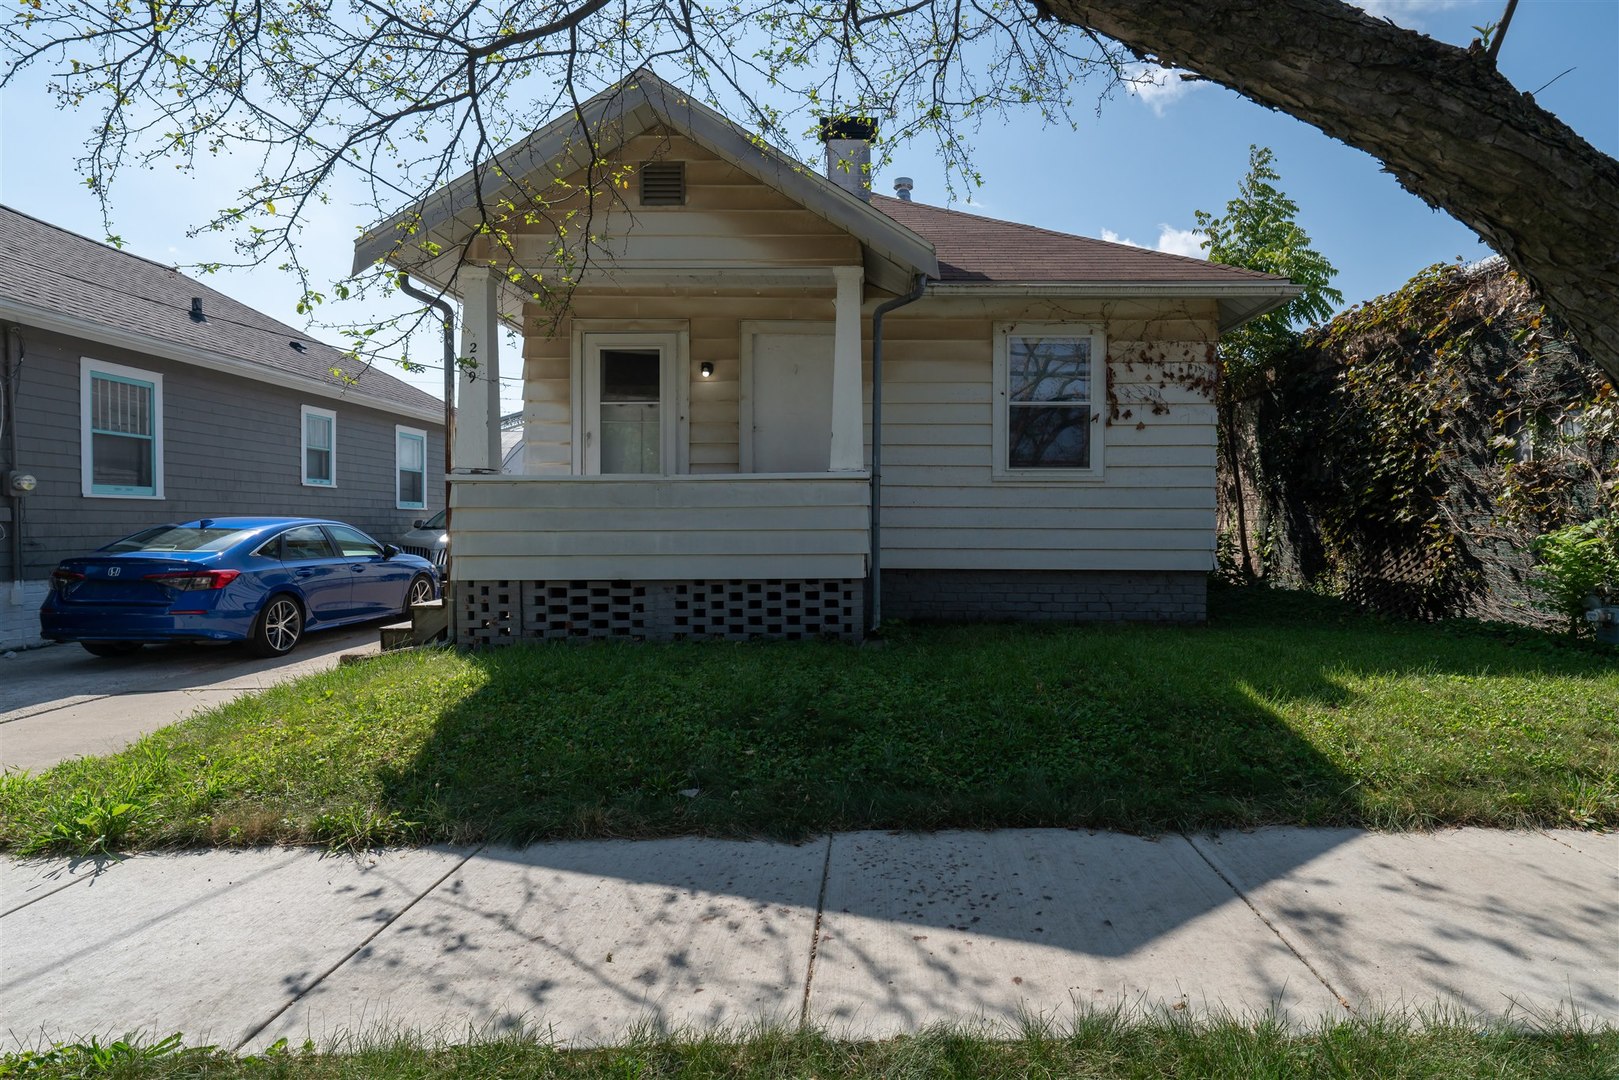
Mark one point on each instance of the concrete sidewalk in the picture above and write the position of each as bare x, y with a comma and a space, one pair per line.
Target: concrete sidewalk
864, 933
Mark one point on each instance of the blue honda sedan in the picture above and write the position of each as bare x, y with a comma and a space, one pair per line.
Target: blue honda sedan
264, 581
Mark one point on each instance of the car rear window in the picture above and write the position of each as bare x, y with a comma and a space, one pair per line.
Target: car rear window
180, 538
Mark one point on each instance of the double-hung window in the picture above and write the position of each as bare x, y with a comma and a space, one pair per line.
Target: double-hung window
121, 431
319, 447
1050, 401
410, 456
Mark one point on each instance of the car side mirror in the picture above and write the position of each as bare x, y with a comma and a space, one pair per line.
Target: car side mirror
418, 523
389, 551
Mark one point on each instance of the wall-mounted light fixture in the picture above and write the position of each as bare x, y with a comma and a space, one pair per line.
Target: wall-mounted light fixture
707, 368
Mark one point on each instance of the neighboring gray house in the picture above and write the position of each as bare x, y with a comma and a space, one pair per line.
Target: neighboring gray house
134, 395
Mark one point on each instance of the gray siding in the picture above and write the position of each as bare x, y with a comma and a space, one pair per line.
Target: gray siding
231, 446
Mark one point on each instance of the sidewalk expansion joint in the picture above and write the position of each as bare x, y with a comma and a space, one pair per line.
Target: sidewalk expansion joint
1232, 885
111, 862
815, 936
352, 953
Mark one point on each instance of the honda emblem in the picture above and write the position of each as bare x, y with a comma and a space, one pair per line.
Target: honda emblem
113, 571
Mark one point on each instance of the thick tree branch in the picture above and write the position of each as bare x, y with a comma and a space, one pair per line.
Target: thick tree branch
1441, 119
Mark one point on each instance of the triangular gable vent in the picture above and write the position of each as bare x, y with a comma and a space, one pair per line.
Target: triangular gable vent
663, 183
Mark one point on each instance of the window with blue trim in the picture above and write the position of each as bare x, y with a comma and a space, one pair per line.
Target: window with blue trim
123, 435
410, 449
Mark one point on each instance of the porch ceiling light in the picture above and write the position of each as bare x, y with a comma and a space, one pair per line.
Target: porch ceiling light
707, 369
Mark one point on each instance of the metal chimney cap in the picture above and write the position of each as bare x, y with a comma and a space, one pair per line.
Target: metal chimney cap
902, 187
862, 128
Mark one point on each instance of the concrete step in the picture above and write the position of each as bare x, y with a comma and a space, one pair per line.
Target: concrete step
429, 622
397, 635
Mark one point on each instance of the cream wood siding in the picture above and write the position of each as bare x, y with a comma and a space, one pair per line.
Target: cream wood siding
714, 324
1154, 508
729, 219
659, 529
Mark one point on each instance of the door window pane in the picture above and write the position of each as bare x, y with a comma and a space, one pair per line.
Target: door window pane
306, 542
352, 543
631, 412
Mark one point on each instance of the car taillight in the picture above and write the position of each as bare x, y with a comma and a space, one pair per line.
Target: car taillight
63, 579
195, 580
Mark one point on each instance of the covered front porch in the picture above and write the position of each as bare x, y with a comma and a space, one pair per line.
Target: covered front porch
659, 557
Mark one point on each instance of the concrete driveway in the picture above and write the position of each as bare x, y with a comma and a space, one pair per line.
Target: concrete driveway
60, 702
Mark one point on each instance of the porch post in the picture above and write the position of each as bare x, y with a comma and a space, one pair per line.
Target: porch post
477, 417
848, 451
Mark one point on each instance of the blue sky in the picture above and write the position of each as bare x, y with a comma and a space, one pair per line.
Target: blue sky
1137, 172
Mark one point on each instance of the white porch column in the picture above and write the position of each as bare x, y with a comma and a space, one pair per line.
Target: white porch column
848, 449
477, 413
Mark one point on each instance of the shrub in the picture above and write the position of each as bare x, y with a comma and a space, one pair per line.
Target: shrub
1579, 563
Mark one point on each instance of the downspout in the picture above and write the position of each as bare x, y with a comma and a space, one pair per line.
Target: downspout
10, 388
875, 590
447, 314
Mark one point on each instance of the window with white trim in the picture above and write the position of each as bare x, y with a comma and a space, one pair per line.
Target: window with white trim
121, 431
319, 447
1050, 393
410, 457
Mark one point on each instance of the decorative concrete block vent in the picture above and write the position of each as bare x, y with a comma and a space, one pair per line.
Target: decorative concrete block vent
490, 612
585, 609
501, 612
766, 609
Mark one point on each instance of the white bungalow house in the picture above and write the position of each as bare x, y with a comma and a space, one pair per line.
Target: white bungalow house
775, 404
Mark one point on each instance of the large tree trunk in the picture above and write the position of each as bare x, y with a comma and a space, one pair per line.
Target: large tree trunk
1442, 120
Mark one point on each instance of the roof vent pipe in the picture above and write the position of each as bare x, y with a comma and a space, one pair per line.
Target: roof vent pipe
848, 142
902, 188
196, 310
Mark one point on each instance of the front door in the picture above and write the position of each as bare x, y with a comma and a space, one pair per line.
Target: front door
629, 408
791, 392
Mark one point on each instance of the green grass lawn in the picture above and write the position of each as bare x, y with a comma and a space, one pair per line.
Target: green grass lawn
1283, 709
1095, 1047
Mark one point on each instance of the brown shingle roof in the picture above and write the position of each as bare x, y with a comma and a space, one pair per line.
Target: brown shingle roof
50, 268
981, 249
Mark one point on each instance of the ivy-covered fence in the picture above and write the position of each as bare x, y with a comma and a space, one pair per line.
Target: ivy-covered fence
1411, 450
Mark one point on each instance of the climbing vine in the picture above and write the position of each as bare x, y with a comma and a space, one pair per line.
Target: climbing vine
1414, 447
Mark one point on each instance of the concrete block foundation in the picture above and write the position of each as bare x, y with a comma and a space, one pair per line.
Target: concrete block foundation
1171, 596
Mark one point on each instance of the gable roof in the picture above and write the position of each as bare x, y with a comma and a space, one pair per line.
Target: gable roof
639, 102
61, 281
980, 254
956, 251
973, 248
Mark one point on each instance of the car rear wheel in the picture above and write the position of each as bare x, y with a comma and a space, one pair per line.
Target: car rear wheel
110, 648
279, 626
420, 592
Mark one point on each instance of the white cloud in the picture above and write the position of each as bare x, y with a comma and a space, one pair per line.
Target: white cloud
1171, 240
1158, 88
1407, 13
1175, 241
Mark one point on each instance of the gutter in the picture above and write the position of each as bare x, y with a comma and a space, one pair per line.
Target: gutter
10, 387
447, 315
875, 577
1239, 301
103, 334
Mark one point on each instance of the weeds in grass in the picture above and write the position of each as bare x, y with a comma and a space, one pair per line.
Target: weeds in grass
1102, 1044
